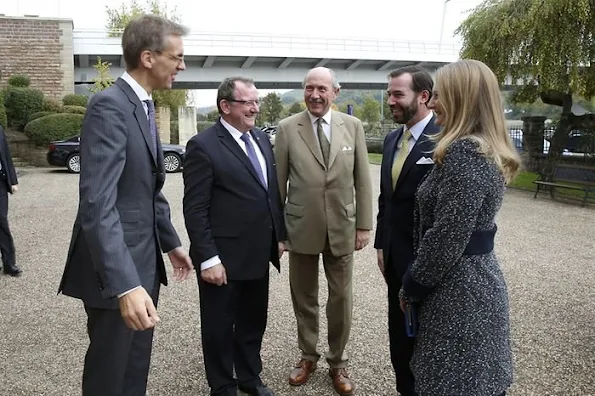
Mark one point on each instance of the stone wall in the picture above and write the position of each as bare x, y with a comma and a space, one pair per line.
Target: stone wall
41, 48
162, 118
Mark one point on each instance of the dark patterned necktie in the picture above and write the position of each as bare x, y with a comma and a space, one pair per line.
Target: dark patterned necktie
152, 122
253, 158
325, 145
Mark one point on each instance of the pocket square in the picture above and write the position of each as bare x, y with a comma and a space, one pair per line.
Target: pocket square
424, 161
346, 148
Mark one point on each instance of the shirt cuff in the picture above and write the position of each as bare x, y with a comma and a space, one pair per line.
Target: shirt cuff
213, 261
126, 292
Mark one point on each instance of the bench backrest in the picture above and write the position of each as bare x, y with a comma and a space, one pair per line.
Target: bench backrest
582, 174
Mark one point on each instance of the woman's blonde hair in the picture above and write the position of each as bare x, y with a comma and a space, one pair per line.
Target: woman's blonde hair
472, 108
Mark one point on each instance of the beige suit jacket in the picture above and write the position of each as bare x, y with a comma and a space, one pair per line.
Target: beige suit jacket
320, 202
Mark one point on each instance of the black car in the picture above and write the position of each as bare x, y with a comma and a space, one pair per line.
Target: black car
66, 153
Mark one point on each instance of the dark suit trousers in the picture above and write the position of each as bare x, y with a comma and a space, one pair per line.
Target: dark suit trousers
118, 358
233, 320
401, 346
6, 242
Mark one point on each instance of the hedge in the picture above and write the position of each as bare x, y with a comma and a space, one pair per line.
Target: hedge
51, 105
20, 81
202, 125
73, 109
40, 114
75, 100
3, 120
54, 127
20, 104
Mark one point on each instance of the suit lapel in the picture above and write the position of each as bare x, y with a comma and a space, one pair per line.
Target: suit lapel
267, 154
421, 148
229, 142
336, 137
306, 131
140, 115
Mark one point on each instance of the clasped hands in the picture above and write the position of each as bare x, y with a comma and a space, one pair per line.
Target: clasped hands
137, 308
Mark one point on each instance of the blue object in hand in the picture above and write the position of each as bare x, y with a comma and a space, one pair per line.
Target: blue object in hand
410, 320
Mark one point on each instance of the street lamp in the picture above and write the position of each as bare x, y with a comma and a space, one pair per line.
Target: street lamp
442, 28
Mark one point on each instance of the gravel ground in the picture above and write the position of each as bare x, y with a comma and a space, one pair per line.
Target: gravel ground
546, 249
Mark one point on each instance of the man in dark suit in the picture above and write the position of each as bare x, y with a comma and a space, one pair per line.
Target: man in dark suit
8, 184
407, 157
235, 224
115, 265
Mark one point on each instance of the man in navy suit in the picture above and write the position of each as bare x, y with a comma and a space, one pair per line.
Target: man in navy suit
235, 224
407, 157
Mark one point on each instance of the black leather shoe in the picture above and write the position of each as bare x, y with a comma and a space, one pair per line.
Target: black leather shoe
260, 390
12, 270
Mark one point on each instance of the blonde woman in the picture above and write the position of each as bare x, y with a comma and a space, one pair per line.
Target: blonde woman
454, 285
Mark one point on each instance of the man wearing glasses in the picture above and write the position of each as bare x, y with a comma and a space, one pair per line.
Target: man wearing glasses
115, 263
235, 225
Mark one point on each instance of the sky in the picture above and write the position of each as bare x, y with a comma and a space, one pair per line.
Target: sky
379, 19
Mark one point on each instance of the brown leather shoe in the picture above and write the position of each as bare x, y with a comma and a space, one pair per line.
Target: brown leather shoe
341, 382
301, 373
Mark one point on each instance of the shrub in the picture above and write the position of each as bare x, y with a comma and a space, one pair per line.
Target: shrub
20, 81
54, 127
20, 104
73, 109
51, 105
40, 114
75, 100
202, 125
3, 120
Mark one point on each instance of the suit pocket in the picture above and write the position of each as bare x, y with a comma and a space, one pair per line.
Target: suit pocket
294, 210
130, 226
350, 210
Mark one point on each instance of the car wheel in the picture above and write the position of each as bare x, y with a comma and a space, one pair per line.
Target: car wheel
172, 162
73, 163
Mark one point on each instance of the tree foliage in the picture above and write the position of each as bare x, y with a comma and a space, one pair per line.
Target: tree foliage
270, 108
546, 45
103, 79
118, 18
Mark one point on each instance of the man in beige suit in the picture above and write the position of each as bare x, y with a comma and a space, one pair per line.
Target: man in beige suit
324, 179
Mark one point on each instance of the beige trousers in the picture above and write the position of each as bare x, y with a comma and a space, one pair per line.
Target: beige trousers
303, 280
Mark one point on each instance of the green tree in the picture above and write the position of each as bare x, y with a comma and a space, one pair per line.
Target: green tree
370, 110
270, 108
296, 107
103, 79
548, 45
213, 115
118, 18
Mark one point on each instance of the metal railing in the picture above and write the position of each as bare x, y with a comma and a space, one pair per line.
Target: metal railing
291, 42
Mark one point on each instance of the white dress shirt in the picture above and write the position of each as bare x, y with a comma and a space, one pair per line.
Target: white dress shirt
237, 135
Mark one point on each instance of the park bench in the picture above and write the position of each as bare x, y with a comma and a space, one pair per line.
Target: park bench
582, 177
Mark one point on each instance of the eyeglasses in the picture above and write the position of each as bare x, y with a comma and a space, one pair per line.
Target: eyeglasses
176, 58
247, 103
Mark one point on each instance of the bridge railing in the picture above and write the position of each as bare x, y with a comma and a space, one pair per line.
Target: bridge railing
102, 37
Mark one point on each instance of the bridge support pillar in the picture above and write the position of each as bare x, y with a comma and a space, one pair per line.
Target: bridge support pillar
162, 117
186, 124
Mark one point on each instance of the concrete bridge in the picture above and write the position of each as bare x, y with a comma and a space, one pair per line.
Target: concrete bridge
273, 61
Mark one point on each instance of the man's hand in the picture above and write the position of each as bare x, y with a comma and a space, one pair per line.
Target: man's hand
362, 237
215, 275
282, 248
15, 188
181, 263
137, 310
380, 255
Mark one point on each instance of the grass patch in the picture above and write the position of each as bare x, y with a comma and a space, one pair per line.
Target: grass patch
524, 181
375, 159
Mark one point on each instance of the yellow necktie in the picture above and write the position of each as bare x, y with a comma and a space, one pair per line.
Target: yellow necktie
402, 153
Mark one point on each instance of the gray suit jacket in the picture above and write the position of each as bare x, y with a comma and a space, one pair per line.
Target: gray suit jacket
123, 219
